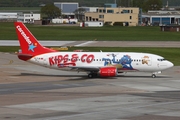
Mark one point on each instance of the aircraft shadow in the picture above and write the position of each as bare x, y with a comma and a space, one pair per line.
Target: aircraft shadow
80, 77
84, 77
134, 76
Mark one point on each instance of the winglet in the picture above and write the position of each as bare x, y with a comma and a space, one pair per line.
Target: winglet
28, 43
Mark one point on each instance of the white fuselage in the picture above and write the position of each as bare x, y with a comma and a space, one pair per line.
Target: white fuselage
123, 61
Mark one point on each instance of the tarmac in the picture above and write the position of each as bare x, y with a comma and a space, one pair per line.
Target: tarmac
96, 43
31, 92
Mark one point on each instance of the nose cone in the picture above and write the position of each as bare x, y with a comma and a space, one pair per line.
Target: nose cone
165, 65
170, 64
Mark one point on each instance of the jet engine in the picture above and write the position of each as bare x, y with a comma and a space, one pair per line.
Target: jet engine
108, 72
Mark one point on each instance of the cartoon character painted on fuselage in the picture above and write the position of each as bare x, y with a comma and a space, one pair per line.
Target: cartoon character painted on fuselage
123, 63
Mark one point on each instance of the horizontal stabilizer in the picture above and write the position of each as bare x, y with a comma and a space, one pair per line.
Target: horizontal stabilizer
24, 57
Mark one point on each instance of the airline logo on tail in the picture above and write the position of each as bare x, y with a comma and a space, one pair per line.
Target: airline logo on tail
31, 45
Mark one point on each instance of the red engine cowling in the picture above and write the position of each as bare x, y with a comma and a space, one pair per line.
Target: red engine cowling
108, 72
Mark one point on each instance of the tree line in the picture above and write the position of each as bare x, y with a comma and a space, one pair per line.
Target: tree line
89, 3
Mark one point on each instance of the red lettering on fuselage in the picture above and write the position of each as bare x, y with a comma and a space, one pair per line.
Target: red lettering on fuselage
74, 58
51, 61
87, 58
90, 58
83, 57
59, 59
62, 59
65, 59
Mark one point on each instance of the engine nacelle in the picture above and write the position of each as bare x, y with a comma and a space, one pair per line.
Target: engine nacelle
108, 72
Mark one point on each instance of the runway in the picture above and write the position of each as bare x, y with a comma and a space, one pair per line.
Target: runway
30, 92
95, 43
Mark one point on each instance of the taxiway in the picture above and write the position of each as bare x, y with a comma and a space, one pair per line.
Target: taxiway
30, 92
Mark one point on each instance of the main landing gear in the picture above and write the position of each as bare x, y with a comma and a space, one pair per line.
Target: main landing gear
92, 74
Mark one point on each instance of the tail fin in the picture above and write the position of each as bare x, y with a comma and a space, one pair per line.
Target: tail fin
28, 43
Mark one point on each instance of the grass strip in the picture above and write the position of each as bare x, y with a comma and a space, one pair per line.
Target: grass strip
117, 33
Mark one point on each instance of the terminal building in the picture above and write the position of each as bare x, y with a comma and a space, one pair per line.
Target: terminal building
110, 16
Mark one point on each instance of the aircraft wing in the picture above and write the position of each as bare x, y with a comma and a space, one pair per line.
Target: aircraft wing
87, 69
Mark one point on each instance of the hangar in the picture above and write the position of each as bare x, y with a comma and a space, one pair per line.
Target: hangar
159, 18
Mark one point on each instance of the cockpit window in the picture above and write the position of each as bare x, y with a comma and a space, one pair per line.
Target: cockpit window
162, 59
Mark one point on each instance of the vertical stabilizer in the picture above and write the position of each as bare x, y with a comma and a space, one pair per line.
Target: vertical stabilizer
28, 43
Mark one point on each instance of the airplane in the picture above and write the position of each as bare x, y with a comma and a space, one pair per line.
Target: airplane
102, 64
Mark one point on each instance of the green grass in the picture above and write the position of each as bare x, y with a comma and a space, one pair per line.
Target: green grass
139, 33
171, 54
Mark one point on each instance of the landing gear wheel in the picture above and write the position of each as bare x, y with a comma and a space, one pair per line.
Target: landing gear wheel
153, 76
90, 75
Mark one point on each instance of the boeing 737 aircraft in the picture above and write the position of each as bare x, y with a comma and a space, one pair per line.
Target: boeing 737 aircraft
103, 64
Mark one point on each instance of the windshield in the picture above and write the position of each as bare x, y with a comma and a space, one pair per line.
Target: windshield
161, 59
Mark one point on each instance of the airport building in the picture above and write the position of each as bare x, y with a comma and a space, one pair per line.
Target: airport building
19, 16
29, 18
90, 9
161, 17
5, 16
110, 14
67, 8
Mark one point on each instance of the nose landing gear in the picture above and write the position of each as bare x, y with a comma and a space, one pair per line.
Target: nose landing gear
154, 74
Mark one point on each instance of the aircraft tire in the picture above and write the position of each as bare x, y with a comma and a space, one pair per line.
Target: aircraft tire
153, 76
90, 75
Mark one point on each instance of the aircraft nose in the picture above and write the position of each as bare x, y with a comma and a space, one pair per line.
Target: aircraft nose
170, 64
